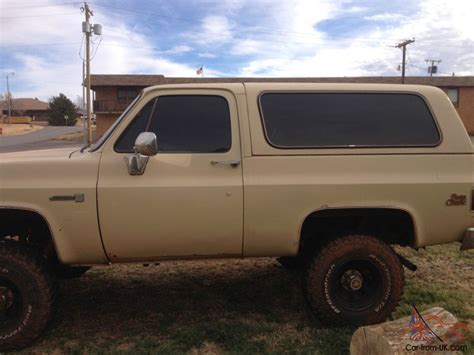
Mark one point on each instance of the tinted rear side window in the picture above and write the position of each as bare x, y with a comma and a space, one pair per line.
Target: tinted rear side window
184, 123
304, 120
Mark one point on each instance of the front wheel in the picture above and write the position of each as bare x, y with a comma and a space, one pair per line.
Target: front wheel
355, 280
26, 296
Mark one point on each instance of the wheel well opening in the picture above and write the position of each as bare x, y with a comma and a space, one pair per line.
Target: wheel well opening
392, 226
27, 227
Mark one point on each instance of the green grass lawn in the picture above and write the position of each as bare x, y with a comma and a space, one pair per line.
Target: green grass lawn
233, 306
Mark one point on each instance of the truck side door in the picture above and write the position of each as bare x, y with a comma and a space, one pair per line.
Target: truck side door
189, 201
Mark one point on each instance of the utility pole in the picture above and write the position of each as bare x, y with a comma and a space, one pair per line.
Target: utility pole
83, 102
9, 98
87, 29
403, 45
433, 68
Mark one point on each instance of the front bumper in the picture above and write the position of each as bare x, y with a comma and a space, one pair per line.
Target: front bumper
468, 240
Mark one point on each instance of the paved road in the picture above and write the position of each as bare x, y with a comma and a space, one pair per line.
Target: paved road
39, 139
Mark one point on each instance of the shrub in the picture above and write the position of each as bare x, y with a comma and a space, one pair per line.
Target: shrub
61, 107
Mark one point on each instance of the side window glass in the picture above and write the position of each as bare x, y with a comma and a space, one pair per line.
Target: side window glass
192, 124
140, 123
311, 120
183, 124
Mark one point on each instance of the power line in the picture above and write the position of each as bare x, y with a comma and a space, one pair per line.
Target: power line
94, 51
274, 34
290, 33
187, 21
40, 5
40, 44
42, 15
80, 48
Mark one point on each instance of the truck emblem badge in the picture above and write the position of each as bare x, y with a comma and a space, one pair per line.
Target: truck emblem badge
456, 200
75, 198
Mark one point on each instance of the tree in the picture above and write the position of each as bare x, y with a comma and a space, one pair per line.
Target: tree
80, 104
62, 112
8, 99
5, 96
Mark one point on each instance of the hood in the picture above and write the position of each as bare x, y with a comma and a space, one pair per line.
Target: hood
56, 153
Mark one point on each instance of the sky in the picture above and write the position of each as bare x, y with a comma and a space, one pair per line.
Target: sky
42, 41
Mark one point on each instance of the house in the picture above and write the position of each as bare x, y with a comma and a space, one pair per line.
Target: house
34, 108
113, 93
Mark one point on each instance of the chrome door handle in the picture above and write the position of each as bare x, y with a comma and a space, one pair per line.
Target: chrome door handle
233, 163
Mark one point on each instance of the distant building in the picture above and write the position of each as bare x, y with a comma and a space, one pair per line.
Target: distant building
113, 93
34, 108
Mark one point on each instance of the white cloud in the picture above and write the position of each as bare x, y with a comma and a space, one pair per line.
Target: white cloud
386, 16
207, 55
56, 66
39, 25
443, 29
214, 30
247, 46
254, 37
178, 49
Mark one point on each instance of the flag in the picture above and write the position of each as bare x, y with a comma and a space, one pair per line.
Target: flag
200, 71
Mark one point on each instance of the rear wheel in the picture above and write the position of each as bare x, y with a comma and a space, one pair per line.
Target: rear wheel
355, 279
26, 296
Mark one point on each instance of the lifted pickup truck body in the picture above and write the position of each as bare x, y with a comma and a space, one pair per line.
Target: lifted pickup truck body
184, 206
254, 198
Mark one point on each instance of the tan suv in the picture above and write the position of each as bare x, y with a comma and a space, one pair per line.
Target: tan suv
325, 176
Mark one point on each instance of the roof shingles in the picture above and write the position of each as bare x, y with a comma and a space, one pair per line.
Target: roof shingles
25, 104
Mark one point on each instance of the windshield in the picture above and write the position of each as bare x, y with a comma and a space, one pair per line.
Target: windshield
109, 131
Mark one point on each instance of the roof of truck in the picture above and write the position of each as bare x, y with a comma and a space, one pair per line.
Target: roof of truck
240, 88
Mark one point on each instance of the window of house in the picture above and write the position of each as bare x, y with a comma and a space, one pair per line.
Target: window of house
453, 95
184, 123
127, 94
306, 120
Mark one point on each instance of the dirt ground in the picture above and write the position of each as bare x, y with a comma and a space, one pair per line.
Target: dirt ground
69, 137
229, 306
16, 129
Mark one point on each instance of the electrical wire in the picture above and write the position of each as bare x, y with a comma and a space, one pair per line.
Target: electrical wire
42, 15
417, 66
94, 51
80, 48
40, 44
256, 30
252, 30
41, 5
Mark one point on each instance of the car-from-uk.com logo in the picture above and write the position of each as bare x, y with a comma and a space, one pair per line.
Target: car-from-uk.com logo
421, 331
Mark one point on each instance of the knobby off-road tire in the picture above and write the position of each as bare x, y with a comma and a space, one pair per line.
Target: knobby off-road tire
27, 294
354, 280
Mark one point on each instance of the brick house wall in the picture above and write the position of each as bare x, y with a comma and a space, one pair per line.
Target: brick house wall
103, 122
104, 119
466, 108
107, 107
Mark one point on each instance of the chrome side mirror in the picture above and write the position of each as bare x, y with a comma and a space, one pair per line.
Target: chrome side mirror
146, 145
